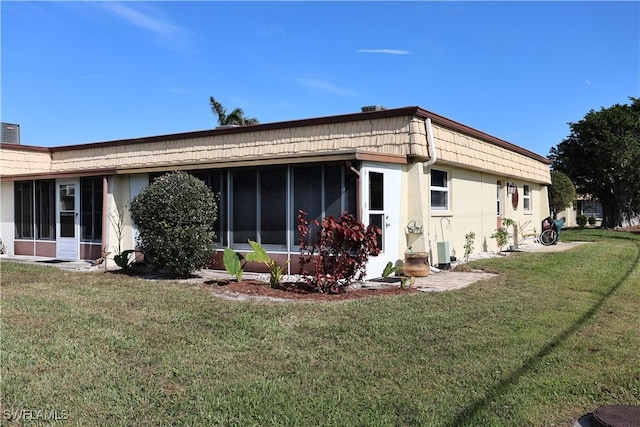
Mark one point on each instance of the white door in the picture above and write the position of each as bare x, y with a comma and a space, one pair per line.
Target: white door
381, 206
68, 220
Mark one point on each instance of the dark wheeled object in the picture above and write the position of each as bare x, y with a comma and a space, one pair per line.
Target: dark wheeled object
550, 231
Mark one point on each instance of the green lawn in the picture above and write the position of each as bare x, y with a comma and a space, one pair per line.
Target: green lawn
553, 337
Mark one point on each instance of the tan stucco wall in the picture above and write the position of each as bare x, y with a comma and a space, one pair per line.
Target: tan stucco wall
7, 227
118, 199
415, 190
473, 208
570, 215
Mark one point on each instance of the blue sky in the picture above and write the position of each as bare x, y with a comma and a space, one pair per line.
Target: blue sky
79, 72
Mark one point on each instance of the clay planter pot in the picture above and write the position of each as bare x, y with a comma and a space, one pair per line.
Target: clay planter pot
416, 264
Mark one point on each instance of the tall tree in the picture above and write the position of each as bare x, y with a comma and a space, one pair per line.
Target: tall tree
234, 118
561, 193
602, 158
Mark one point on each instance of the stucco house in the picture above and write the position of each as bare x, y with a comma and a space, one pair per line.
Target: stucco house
583, 205
421, 177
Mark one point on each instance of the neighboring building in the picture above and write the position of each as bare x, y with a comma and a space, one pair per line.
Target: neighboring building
421, 177
584, 205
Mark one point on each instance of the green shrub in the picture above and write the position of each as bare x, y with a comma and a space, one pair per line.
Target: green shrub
502, 237
581, 220
234, 263
124, 259
390, 269
175, 216
592, 221
259, 254
468, 244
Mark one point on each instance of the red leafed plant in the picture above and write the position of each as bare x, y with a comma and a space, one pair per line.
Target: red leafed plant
335, 256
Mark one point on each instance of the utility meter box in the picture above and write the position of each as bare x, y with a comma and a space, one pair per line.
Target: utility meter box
444, 260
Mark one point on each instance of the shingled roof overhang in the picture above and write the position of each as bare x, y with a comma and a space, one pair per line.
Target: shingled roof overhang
344, 118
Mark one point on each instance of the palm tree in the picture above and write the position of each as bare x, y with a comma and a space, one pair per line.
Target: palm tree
234, 118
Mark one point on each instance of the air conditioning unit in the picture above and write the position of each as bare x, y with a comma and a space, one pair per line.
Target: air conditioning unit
370, 108
10, 133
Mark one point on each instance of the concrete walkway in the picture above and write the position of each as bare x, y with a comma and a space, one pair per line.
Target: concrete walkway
558, 247
437, 281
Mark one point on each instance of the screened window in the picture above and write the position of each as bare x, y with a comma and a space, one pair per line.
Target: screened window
23, 199
273, 206
321, 191
262, 203
526, 198
498, 205
439, 190
244, 205
259, 206
45, 210
217, 182
333, 204
35, 209
307, 191
91, 209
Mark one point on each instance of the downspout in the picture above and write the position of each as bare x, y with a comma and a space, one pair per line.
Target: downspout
432, 145
432, 159
420, 212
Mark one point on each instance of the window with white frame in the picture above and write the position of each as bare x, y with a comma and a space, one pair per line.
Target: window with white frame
439, 190
590, 208
526, 198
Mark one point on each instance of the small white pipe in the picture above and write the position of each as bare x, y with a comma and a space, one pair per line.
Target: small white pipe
432, 145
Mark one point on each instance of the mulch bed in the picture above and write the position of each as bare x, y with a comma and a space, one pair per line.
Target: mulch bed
294, 291
258, 289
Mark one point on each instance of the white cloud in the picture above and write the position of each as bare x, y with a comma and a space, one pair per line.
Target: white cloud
387, 51
180, 90
323, 86
142, 20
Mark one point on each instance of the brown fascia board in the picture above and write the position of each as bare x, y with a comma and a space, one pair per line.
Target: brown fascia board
21, 147
344, 118
441, 120
406, 111
59, 175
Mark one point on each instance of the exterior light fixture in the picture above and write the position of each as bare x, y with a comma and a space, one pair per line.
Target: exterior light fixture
414, 227
511, 188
